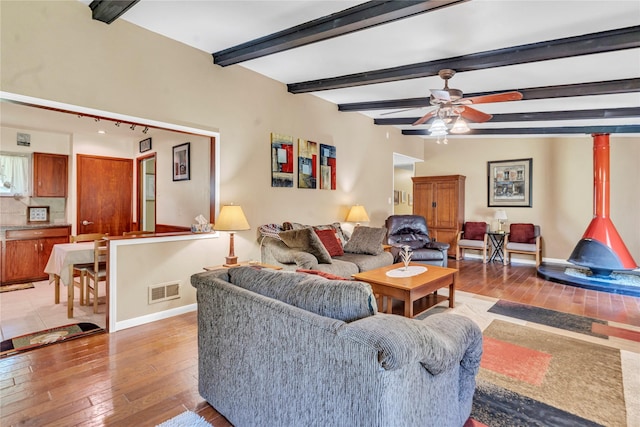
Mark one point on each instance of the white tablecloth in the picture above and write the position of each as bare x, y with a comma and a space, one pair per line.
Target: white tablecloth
412, 270
64, 255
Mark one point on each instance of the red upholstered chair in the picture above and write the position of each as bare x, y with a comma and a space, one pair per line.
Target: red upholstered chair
473, 236
523, 239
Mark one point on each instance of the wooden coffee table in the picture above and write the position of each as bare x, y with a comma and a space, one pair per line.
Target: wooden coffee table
410, 289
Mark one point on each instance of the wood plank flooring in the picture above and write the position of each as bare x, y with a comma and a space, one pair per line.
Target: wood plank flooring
142, 376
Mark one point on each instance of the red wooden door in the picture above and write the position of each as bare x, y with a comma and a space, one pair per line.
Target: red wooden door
105, 192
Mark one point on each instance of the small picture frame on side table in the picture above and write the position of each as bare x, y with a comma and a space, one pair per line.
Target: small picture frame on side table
37, 214
145, 145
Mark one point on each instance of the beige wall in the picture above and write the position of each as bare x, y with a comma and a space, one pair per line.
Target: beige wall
562, 184
55, 51
122, 68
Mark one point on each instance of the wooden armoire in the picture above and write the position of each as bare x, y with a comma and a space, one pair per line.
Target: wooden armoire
440, 199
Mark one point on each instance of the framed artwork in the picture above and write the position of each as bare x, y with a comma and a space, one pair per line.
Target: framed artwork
327, 167
181, 162
281, 160
410, 199
145, 145
509, 183
307, 164
396, 197
37, 214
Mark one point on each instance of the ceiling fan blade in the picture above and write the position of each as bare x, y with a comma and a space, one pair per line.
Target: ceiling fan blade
400, 111
475, 115
424, 118
496, 97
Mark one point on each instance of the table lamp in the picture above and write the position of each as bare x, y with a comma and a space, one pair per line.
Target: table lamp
357, 214
501, 217
231, 219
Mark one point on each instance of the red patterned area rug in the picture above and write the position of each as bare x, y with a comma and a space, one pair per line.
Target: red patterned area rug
546, 368
48, 336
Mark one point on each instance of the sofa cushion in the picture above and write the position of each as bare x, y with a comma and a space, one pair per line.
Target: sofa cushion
344, 300
342, 235
366, 262
330, 241
522, 233
475, 230
366, 240
306, 240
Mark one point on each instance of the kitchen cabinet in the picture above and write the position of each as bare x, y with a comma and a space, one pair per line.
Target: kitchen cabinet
50, 175
440, 199
25, 252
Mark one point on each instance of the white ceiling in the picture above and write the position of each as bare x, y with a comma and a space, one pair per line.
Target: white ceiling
462, 29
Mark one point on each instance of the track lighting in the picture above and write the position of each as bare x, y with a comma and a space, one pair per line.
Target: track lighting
146, 129
133, 127
117, 124
97, 119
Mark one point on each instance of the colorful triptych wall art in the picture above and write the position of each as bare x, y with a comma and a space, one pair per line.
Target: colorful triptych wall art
281, 160
307, 164
327, 167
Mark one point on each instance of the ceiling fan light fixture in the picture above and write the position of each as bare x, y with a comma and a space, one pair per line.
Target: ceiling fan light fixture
460, 126
438, 128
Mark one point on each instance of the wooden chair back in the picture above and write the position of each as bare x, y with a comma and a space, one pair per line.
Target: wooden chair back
88, 237
137, 233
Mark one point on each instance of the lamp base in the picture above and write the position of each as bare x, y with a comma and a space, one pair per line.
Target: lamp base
231, 261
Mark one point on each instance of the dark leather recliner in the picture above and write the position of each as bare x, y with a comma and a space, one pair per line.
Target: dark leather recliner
411, 230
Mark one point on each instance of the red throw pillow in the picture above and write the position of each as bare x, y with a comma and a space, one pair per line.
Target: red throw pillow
331, 242
475, 230
522, 233
321, 274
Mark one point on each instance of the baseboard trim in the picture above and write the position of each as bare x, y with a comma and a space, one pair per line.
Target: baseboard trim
142, 320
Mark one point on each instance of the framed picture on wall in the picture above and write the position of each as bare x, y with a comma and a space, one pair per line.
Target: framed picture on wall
509, 183
145, 145
181, 162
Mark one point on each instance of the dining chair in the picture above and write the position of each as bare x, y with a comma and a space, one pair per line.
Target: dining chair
81, 269
97, 272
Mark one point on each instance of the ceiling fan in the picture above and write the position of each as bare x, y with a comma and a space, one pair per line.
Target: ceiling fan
450, 104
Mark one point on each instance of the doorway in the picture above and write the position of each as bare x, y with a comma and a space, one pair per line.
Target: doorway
146, 189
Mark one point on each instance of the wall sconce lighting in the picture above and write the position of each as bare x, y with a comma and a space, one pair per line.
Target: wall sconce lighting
357, 214
231, 219
501, 217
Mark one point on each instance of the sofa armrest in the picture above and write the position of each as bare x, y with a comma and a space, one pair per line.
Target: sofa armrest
438, 342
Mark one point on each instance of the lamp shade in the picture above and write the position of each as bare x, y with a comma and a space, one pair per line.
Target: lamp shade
357, 213
231, 218
500, 215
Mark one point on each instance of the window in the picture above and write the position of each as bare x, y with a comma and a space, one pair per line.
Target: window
14, 174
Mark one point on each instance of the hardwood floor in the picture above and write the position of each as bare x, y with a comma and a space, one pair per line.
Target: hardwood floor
142, 376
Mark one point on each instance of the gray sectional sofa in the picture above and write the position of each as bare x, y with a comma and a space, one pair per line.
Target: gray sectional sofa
295, 246
278, 348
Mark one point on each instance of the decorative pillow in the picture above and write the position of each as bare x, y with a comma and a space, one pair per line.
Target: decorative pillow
330, 240
270, 230
366, 240
321, 274
474, 230
306, 240
522, 233
338, 229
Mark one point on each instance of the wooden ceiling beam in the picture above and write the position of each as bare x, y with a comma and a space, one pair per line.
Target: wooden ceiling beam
565, 130
608, 87
587, 44
347, 21
605, 113
108, 11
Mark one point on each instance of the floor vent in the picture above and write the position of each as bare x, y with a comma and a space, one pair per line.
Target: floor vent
164, 292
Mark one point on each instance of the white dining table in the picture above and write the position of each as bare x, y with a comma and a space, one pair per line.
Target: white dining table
60, 267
